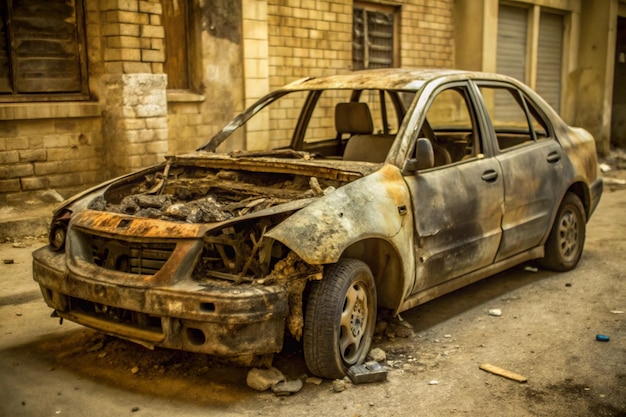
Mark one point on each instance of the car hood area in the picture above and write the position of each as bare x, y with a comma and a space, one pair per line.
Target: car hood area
196, 192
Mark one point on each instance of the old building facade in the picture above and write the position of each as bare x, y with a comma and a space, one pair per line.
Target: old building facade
92, 89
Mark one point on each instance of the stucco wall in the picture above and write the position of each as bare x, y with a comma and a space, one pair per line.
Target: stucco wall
594, 77
195, 116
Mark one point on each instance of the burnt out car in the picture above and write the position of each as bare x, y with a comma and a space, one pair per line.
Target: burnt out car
381, 190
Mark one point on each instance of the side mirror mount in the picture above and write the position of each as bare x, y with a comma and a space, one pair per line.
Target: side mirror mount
410, 166
425, 157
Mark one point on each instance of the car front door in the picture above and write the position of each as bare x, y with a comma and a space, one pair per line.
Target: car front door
531, 163
458, 202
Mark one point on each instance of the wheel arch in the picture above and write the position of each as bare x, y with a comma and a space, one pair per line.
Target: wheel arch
386, 266
581, 190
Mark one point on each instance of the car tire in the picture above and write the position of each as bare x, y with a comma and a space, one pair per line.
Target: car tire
567, 236
340, 319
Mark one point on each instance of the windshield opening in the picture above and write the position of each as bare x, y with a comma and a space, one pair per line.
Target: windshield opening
321, 123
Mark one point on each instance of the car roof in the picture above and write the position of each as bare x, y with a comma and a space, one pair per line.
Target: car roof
386, 79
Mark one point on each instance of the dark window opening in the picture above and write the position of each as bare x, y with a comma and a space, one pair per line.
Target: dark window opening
42, 50
175, 21
373, 36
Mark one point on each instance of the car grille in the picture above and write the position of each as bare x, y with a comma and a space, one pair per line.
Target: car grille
145, 258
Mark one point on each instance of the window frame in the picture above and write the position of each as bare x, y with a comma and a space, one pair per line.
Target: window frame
81, 56
193, 67
529, 107
377, 8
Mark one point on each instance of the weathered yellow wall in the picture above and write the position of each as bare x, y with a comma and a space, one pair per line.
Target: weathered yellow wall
594, 78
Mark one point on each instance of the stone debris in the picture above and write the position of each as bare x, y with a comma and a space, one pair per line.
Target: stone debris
285, 388
314, 380
264, 379
433, 382
397, 327
339, 385
377, 355
496, 312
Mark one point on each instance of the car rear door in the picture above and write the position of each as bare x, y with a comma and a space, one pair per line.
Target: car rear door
457, 203
531, 162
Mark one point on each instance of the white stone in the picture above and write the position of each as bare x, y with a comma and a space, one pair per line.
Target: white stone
264, 379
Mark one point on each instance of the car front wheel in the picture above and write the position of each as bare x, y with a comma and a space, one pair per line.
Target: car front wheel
567, 237
340, 319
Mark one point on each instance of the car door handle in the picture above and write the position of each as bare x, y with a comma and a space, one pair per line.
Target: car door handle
554, 157
490, 175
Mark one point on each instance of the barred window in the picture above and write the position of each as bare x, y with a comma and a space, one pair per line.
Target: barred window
374, 39
42, 50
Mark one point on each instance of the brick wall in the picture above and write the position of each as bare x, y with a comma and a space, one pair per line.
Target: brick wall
240, 50
308, 38
427, 34
56, 153
314, 38
132, 36
133, 88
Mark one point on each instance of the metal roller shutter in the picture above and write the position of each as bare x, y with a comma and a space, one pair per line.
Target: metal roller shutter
549, 58
511, 50
510, 56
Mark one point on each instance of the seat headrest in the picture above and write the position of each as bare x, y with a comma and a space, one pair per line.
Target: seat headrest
354, 118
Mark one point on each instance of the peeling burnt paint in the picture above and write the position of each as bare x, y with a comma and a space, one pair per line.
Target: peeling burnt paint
294, 273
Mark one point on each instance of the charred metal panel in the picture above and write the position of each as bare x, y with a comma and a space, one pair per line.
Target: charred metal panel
531, 175
458, 210
212, 318
115, 224
376, 206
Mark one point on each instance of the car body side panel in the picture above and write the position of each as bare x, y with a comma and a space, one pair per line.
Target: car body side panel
580, 148
458, 214
533, 180
377, 206
581, 151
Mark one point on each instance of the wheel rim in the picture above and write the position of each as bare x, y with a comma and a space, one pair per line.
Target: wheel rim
354, 322
569, 233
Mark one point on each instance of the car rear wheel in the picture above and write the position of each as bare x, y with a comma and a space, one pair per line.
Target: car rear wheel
567, 237
340, 319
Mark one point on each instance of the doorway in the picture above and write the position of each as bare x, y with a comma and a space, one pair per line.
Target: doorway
618, 117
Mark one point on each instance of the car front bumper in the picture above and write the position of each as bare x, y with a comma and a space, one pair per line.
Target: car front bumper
222, 320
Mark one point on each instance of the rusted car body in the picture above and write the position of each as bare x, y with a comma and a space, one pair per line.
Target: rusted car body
384, 190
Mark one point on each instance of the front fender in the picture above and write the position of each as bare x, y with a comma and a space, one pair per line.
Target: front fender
376, 206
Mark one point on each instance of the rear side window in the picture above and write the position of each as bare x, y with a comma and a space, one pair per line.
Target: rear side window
515, 119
